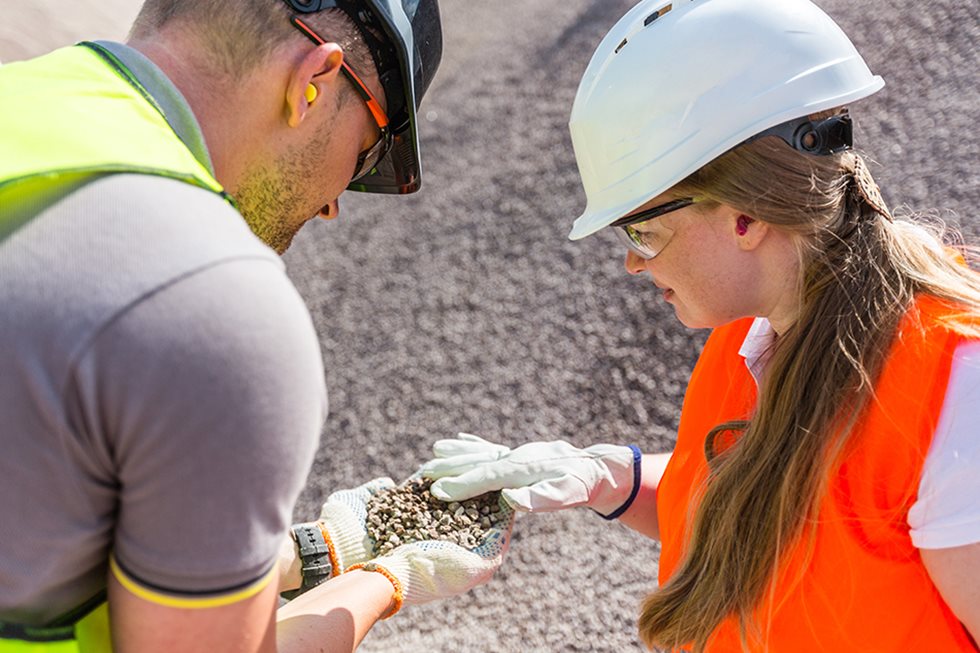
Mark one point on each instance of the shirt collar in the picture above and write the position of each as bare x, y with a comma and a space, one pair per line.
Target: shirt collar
757, 347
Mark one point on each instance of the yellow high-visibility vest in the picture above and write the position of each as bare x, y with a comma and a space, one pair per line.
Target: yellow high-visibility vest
79, 111
74, 112
88, 635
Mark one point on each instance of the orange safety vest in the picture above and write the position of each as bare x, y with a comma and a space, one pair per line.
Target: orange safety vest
865, 587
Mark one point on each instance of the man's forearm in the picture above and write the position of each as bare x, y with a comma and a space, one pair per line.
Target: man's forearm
290, 575
334, 616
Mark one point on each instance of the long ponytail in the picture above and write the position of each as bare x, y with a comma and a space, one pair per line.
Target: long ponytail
861, 273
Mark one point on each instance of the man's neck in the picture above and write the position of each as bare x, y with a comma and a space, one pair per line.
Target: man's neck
209, 98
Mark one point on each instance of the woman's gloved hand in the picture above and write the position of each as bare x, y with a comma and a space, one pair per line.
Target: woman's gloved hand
537, 477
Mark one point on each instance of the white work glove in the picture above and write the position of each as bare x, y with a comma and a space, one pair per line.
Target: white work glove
536, 477
344, 515
433, 569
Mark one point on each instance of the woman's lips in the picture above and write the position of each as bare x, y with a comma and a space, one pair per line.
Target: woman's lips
667, 292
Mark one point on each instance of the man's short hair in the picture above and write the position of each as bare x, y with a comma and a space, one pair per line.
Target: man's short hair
242, 33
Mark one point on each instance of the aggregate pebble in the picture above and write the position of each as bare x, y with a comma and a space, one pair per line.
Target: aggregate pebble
409, 513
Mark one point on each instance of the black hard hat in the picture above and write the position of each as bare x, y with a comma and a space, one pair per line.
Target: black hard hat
406, 57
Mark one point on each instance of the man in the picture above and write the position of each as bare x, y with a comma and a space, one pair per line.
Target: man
163, 392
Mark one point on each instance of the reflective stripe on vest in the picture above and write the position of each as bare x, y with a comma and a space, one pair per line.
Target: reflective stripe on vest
865, 587
78, 111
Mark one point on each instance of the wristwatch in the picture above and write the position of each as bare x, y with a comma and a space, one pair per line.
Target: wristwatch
314, 555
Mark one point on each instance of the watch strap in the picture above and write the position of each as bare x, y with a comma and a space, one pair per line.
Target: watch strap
316, 555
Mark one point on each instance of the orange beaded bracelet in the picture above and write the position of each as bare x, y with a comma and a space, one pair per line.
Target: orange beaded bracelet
399, 595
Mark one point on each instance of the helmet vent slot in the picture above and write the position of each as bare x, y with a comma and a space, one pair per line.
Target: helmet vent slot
657, 14
620, 46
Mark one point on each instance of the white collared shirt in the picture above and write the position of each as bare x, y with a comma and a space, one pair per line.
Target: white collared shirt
947, 510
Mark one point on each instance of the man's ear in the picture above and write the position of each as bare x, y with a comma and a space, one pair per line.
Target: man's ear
318, 68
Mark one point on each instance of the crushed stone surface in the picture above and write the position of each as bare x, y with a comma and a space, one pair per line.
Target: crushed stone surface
410, 513
465, 308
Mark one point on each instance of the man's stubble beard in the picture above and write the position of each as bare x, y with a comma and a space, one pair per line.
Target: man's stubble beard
276, 200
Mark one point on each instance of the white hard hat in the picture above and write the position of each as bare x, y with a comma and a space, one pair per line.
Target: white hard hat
677, 83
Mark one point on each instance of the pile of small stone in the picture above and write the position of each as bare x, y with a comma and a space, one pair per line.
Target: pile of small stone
409, 513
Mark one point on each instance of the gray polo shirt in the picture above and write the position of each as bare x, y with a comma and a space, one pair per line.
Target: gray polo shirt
161, 388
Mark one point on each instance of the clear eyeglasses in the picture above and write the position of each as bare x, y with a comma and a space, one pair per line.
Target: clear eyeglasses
644, 236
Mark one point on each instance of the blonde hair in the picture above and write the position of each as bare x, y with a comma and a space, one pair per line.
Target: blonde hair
860, 274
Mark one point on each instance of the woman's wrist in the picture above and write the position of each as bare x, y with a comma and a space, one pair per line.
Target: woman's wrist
642, 514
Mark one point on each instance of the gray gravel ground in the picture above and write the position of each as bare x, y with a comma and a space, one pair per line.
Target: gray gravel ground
465, 308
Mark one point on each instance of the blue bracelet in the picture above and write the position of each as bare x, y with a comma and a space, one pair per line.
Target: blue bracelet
637, 456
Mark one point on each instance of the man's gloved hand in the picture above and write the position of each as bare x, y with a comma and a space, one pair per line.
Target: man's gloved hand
431, 569
537, 477
344, 515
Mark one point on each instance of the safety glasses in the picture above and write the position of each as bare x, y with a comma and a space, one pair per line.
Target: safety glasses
368, 159
642, 235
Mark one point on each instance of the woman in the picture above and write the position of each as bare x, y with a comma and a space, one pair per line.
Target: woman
820, 495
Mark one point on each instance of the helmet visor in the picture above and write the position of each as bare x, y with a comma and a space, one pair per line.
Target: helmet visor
406, 58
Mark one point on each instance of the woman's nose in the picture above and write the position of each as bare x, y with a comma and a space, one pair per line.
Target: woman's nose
635, 264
